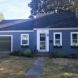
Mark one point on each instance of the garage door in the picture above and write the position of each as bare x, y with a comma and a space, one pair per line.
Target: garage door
5, 43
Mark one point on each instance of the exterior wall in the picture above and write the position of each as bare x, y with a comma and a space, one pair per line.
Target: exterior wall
66, 42
17, 39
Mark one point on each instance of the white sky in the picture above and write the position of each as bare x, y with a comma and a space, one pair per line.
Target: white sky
15, 9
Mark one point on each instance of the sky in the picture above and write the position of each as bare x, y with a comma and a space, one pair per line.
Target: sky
15, 9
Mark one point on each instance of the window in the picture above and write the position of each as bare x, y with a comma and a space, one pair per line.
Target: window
74, 38
42, 41
57, 39
24, 39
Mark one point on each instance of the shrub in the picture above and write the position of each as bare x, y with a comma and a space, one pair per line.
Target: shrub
54, 54
27, 52
15, 53
61, 54
21, 54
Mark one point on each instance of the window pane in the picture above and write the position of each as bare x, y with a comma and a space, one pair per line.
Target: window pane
42, 37
24, 41
24, 37
57, 36
74, 36
74, 42
57, 42
42, 45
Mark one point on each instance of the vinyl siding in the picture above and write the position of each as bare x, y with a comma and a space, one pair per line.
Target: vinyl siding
66, 42
17, 40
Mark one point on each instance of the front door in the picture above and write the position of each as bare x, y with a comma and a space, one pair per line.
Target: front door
42, 44
42, 40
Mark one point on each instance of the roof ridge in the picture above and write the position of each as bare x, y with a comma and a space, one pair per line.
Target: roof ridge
52, 14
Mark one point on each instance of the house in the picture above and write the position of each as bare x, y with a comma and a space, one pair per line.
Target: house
54, 32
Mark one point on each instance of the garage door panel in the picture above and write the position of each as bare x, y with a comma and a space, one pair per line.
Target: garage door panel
5, 43
5, 38
5, 49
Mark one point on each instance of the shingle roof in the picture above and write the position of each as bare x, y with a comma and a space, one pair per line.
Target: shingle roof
57, 20
16, 25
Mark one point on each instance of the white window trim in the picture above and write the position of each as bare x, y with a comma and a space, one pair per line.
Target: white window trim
21, 39
71, 37
60, 37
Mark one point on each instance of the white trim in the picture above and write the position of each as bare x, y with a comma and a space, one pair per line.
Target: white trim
55, 29
11, 41
39, 29
18, 31
28, 39
47, 40
54, 33
71, 37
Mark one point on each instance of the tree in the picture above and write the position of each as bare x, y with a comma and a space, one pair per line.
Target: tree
74, 6
1, 16
46, 6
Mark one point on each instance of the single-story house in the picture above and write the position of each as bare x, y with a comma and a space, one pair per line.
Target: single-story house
54, 32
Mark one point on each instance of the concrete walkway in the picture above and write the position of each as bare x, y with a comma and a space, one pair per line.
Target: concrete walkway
36, 69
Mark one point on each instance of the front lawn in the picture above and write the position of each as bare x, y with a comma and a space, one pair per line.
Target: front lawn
61, 68
14, 67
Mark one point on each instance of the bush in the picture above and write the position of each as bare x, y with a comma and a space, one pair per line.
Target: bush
61, 54
54, 54
27, 52
15, 53
21, 54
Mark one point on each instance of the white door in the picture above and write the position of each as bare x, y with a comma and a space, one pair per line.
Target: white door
43, 40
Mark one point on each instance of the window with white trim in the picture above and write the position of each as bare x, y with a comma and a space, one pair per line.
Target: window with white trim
24, 39
74, 38
57, 39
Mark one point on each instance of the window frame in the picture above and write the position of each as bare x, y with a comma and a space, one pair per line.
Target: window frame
60, 38
72, 38
21, 39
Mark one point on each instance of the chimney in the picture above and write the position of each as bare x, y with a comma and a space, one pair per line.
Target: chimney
77, 12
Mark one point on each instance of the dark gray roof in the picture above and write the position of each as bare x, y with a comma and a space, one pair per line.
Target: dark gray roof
16, 25
57, 20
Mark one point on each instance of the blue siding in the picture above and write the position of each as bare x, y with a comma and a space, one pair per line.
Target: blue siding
17, 39
66, 42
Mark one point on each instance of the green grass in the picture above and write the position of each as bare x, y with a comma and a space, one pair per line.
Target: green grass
61, 68
14, 67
